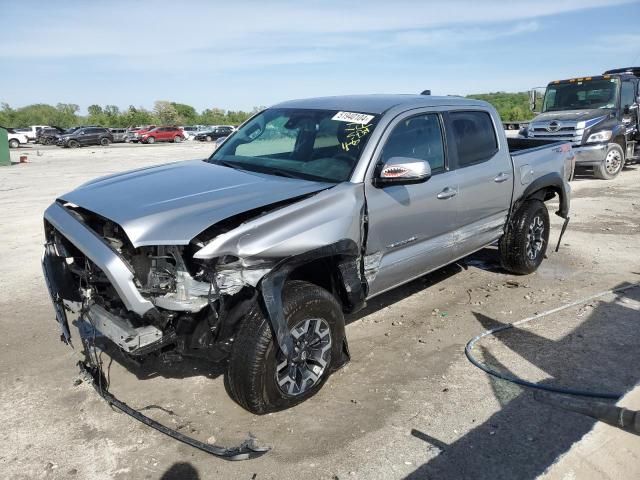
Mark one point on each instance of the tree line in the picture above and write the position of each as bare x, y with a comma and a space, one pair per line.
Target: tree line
511, 106
164, 113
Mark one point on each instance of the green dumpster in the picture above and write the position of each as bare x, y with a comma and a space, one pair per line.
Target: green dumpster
4, 148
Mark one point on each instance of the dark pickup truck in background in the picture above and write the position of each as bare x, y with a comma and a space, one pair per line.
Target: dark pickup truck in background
598, 115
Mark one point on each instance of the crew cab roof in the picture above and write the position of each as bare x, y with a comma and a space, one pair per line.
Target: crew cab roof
377, 103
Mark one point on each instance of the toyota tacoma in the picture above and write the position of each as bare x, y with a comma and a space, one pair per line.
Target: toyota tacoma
251, 258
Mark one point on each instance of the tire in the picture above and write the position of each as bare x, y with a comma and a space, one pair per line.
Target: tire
524, 245
252, 377
73, 144
14, 143
612, 164
105, 142
150, 140
208, 139
177, 139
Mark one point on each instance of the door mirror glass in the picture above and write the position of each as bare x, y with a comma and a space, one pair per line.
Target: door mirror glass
536, 97
402, 171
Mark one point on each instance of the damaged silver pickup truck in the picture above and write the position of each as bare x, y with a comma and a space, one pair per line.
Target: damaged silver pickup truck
251, 258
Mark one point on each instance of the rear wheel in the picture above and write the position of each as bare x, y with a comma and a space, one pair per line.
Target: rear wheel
14, 143
612, 164
259, 376
524, 244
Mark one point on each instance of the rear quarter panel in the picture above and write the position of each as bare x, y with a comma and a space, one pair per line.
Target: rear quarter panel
534, 163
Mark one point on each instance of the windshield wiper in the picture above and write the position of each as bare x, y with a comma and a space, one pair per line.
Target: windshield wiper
279, 172
228, 164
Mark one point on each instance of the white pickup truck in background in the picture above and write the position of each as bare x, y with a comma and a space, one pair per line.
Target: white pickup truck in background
16, 138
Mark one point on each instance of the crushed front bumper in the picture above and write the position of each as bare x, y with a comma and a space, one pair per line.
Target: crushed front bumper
62, 286
101, 254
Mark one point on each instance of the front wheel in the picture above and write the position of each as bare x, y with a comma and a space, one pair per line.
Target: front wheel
260, 378
524, 244
177, 139
208, 138
105, 142
73, 144
612, 164
14, 143
150, 140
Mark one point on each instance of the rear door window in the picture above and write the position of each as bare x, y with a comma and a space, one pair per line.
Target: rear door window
474, 137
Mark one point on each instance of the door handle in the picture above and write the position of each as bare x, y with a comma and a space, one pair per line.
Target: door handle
448, 192
503, 177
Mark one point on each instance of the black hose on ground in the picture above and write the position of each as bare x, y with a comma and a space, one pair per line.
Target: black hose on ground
524, 383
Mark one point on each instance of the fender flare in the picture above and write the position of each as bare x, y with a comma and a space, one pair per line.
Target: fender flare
537, 189
349, 271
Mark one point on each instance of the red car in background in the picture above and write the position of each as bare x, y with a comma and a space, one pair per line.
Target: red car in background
161, 134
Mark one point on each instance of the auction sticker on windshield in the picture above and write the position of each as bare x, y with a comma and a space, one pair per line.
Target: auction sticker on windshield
351, 117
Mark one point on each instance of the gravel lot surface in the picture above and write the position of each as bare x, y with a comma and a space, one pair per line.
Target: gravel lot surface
409, 405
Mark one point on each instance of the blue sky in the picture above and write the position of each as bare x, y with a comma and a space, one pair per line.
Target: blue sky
236, 55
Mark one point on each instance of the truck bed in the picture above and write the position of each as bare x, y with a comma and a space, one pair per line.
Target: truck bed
531, 156
517, 146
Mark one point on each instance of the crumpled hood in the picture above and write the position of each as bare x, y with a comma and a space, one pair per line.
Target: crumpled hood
171, 204
572, 115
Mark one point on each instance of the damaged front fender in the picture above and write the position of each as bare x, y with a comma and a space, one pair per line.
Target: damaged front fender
330, 224
272, 286
316, 221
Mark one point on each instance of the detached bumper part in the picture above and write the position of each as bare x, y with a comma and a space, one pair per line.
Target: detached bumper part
54, 270
119, 331
245, 451
91, 245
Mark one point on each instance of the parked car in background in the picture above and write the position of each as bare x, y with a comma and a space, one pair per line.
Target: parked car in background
190, 131
31, 132
220, 141
16, 139
48, 135
162, 134
133, 134
214, 134
83, 136
119, 134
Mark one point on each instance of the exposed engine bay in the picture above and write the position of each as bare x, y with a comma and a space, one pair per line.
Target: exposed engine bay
196, 303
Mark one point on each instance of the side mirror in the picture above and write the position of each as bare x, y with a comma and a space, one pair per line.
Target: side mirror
536, 94
402, 171
532, 99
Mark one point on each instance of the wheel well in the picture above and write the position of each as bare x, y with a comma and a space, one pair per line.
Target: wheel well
339, 275
320, 272
543, 194
620, 140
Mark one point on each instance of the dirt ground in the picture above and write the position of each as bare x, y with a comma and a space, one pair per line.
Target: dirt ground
409, 405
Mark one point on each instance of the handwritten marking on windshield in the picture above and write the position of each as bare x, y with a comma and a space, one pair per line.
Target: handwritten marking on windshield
355, 133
